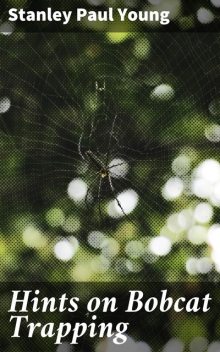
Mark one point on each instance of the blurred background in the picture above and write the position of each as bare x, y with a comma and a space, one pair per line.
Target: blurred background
149, 100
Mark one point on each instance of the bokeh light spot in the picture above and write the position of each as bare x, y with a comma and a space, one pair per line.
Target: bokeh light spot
212, 133
33, 238
5, 104
205, 16
128, 200
55, 217
163, 92
71, 224
181, 165
77, 189
96, 239
214, 107
118, 168
173, 188
203, 213
160, 245
64, 250
174, 345
6, 28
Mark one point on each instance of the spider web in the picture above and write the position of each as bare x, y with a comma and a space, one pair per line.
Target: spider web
57, 98
55, 104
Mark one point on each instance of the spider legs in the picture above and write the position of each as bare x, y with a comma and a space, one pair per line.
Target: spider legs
88, 190
79, 147
115, 196
99, 195
110, 140
111, 167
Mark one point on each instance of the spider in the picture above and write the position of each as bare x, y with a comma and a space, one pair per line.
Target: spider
104, 170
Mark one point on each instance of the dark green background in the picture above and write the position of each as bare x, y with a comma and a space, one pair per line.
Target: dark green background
50, 81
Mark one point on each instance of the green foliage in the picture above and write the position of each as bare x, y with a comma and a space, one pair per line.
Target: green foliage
50, 80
